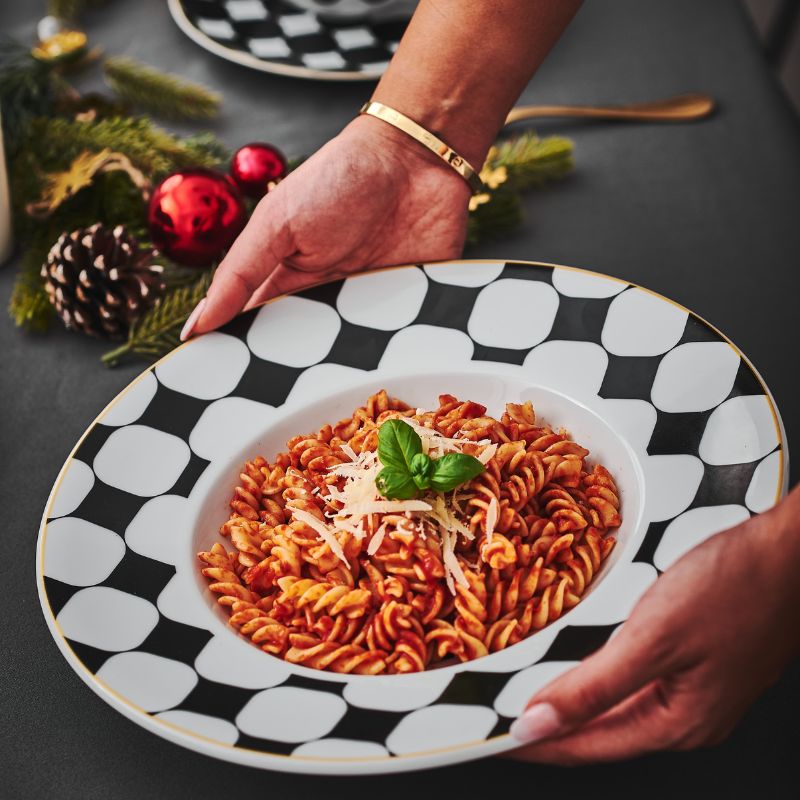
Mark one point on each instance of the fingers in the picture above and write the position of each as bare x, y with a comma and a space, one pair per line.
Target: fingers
264, 292
261, 246
285, 279
641, 724
630, 661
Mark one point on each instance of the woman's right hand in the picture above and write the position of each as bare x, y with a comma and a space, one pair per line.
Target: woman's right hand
371, 197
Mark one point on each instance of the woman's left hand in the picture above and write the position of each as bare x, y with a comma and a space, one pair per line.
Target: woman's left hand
701, 645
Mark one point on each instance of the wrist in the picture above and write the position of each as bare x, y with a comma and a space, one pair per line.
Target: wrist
447, 119
461, 66
414, 155
784, 530
428, 140
778, 549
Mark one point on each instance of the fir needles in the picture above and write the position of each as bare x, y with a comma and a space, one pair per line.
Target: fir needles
532, 161
159, 93
158, 330
53, 134
522, 162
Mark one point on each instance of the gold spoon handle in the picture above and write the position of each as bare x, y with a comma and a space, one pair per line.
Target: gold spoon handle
682, 107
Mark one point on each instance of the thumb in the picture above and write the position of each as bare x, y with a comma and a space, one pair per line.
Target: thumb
631, 660
258, 250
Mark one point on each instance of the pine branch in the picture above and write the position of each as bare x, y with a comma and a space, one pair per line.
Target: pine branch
70, 9
500, 215
27, 89
174, 275
206, 148
158, 330
532, 161
159, 92
28, 305
50, 145
56, 142
65, 9
112, 200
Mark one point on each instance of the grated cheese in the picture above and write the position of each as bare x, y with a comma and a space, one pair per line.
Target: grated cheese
487, 454
325, 533
349, 452
376, 540
360, 532
386, 507
447, 519
434, 443
342, 524
358, 498
452, 568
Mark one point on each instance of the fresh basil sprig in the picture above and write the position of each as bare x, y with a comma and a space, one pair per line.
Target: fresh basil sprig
407, 470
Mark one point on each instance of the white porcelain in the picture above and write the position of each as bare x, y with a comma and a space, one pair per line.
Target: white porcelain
338, 40
148, 486
350, 9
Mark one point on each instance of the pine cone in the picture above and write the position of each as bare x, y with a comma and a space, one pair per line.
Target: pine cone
100, 281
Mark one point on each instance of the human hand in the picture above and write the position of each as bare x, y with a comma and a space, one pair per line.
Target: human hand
707, 638
371, 197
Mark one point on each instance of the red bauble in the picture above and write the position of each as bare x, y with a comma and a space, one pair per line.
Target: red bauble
255, 166
194, 215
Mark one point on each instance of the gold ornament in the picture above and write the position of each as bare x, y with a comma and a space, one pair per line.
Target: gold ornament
60, 47
491, 177
60, 186
478, 200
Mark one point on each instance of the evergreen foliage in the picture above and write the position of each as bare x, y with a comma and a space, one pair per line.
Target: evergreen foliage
532, 161
47, 124
158, 330
159, 93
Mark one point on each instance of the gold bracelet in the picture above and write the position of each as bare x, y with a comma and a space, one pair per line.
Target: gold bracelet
433, 143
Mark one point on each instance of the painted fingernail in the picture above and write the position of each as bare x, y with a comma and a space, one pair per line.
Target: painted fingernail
188, 326
540, 721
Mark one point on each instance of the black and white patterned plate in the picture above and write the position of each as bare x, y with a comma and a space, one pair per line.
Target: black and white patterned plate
695, 439
274, 36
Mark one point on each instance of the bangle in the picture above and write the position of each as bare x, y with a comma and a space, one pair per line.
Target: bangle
433, 143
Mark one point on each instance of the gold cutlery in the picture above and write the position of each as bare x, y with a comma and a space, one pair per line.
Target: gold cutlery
671, 109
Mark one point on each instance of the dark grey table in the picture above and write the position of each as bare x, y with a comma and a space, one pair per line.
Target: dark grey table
706, 213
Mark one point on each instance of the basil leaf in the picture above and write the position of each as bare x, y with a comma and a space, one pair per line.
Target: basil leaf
421, 470
398, 443
453, 469
396, 484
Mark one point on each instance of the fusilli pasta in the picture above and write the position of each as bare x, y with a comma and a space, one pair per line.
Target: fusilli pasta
324, 572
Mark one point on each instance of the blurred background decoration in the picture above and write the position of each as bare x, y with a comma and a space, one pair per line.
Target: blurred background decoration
119, 223
78, 160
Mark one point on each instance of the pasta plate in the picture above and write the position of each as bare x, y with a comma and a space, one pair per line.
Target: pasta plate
670, 406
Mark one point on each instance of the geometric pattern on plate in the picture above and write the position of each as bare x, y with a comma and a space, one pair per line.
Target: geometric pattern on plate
273, 36
689, 471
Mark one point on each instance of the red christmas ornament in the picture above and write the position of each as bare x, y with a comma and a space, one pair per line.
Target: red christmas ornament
255, 166
194, 215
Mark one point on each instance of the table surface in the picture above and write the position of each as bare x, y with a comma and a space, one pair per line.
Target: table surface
705, 213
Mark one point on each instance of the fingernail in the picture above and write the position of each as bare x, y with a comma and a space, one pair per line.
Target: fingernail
188, 326
540, 721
